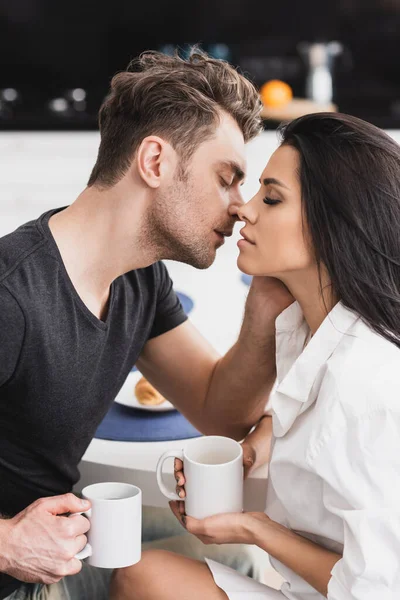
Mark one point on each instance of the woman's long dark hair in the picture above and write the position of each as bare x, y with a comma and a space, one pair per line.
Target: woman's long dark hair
350, 182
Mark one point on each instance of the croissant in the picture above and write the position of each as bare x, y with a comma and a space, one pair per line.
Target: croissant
147, 394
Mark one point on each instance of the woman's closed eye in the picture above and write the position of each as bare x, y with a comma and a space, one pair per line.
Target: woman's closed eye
271, 201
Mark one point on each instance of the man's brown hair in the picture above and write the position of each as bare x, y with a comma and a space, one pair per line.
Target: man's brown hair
179, 100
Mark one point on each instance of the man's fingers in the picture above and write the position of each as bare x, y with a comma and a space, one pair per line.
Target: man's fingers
79, 543
58, 505
79, 525
74, 566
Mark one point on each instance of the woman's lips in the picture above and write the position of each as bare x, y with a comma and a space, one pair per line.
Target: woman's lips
243, 243
245, 240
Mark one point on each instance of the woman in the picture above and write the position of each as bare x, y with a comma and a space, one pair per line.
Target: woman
326, 223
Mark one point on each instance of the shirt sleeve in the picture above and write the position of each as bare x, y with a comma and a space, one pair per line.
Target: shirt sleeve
12, 330
169, 311
360, 469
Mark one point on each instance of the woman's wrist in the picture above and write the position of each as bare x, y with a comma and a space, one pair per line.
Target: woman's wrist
256, 526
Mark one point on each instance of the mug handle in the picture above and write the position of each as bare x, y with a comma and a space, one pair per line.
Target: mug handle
171, 495
87, 550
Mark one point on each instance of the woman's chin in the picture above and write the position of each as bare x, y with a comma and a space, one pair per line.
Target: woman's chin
245, 267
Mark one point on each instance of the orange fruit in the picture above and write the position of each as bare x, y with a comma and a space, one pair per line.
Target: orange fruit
276, 93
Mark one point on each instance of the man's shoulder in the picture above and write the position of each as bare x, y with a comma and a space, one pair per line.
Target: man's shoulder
16, 246
152, 275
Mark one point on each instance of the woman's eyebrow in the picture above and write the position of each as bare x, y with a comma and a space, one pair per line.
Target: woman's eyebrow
269, 180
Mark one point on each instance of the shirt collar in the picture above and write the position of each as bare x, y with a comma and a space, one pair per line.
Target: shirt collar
298, 369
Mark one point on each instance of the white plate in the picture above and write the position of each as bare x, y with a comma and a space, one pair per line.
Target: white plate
127, 396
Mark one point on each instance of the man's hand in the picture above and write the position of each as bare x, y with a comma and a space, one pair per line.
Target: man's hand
38, 545
270, 297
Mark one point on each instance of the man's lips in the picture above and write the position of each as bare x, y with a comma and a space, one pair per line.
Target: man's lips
224, 233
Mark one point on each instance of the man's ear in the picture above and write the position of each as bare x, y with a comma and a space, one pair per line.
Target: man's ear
149, 158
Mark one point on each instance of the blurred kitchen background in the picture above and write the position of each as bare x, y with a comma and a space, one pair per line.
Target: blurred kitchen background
57, 59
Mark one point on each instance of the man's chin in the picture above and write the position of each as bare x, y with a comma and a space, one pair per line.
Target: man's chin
201, 262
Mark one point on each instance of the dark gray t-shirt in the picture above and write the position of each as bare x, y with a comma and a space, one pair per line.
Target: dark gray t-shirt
60, 366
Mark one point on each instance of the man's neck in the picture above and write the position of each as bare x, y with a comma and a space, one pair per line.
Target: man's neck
100, 237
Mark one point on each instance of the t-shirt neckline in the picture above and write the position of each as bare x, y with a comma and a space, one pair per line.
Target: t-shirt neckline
45, 229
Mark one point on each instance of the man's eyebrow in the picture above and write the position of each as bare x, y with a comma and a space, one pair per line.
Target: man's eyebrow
272, 180
235, 167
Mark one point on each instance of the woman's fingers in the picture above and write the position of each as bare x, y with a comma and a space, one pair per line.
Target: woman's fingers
177, 510
249, 458
193, 526
178, 472
180, 491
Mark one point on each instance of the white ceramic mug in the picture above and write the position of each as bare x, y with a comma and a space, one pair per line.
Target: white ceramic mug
213, 469
115, 534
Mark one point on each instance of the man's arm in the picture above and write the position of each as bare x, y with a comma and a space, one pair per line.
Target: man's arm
227, 395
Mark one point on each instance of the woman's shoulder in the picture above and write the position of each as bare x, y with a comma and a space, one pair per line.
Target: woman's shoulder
364, 372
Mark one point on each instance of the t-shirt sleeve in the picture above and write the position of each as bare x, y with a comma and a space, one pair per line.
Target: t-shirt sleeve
12, 330
169, 311
359, 467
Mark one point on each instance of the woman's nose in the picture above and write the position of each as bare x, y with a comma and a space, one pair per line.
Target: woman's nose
247, 213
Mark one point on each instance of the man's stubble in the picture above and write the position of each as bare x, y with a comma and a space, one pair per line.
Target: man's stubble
175, 228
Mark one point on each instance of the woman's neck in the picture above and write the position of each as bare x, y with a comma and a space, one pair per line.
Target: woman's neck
313, 293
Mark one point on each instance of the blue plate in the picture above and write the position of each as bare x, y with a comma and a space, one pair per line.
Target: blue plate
125, 424
246, 279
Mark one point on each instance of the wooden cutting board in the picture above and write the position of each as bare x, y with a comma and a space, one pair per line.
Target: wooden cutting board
295, 108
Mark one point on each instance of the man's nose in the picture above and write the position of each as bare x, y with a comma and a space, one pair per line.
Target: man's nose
235, 207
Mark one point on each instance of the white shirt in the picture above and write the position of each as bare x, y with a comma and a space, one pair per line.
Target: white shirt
334, 475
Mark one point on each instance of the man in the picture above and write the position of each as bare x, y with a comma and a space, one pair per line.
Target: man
83, 297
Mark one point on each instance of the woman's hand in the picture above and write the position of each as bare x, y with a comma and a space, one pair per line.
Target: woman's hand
231, 528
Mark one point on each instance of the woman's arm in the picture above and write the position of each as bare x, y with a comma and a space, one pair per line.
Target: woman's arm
310, 561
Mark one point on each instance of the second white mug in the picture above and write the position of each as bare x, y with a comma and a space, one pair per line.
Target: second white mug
213, 469
115, 534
